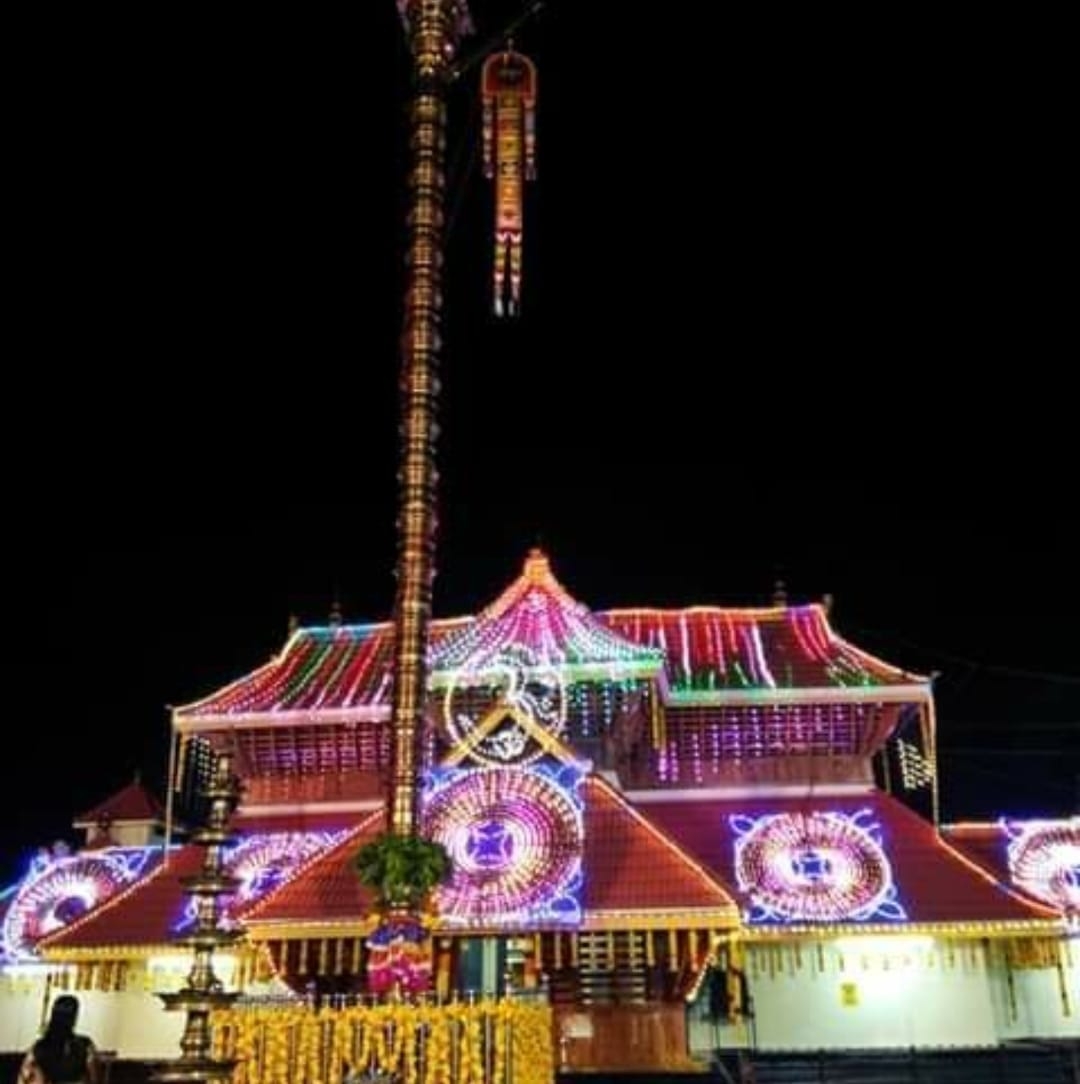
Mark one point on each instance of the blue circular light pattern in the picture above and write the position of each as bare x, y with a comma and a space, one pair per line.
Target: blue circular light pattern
814, 867
1044, 860
515, 840
58, 892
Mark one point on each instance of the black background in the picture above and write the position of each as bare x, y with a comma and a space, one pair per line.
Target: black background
794, 305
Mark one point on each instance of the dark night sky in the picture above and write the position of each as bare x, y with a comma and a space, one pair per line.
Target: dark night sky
793, 305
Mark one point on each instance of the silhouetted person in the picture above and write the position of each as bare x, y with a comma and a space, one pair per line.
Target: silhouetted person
61, 1056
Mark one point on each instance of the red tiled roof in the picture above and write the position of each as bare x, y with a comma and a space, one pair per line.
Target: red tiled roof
146, 913
936, 884
150, 911
327, 888
132, 803
703, 651
1046, 854
984, 844
631, 865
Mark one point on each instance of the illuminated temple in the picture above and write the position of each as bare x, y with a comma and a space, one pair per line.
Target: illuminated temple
690, 830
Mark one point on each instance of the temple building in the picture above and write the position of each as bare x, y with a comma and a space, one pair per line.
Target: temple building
688, 828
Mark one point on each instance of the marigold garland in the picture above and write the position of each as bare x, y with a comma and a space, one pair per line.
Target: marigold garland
491, 1042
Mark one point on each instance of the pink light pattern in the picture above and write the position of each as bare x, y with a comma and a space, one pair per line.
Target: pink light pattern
263, 862
515, 838
536, 616
56, 893
814, 867
1044, 860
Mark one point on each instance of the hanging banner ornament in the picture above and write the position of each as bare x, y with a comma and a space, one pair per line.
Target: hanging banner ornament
509, 95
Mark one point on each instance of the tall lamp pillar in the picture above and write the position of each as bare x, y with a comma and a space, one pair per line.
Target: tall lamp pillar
434, 28
204, 992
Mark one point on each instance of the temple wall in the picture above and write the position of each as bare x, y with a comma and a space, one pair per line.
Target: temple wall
868, 992
22, 998
131, 1023
1042, 1003
894, 992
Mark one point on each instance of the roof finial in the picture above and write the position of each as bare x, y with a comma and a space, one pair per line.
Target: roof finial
779, 595
294, 624
335, 612
826, 602
536, 565
138, 776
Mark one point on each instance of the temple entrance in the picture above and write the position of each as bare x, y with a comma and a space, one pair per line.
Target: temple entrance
481, 964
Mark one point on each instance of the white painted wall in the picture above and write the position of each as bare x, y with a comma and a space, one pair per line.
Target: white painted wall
145, 1030
1037, 1010
868, 992
131, 1022
22, 997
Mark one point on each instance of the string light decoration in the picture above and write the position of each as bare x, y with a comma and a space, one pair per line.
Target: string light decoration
262, 863
57, 892
916, 770
490, 711
508, 82
1044, 860
515, 838
816, 867
537, 616
714, 652
507, 677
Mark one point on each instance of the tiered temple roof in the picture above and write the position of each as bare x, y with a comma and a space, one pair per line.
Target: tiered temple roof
740, 687
701, 655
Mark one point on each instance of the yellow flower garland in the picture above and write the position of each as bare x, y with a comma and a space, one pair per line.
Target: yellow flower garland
492, 1042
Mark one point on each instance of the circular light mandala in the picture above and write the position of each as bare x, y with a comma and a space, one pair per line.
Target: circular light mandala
1044, 859
263, 862
489, 697
814, 867
515, 840
60, 893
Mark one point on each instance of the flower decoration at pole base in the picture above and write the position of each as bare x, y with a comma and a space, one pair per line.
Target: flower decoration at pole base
402, 871
399, 956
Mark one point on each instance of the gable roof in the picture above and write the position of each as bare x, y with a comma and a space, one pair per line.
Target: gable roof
1038, 857
537, 622
634, 875
149, 913
935, 884
700, 655
143, 915
326, 890
722, 655
131, 803
633, 868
